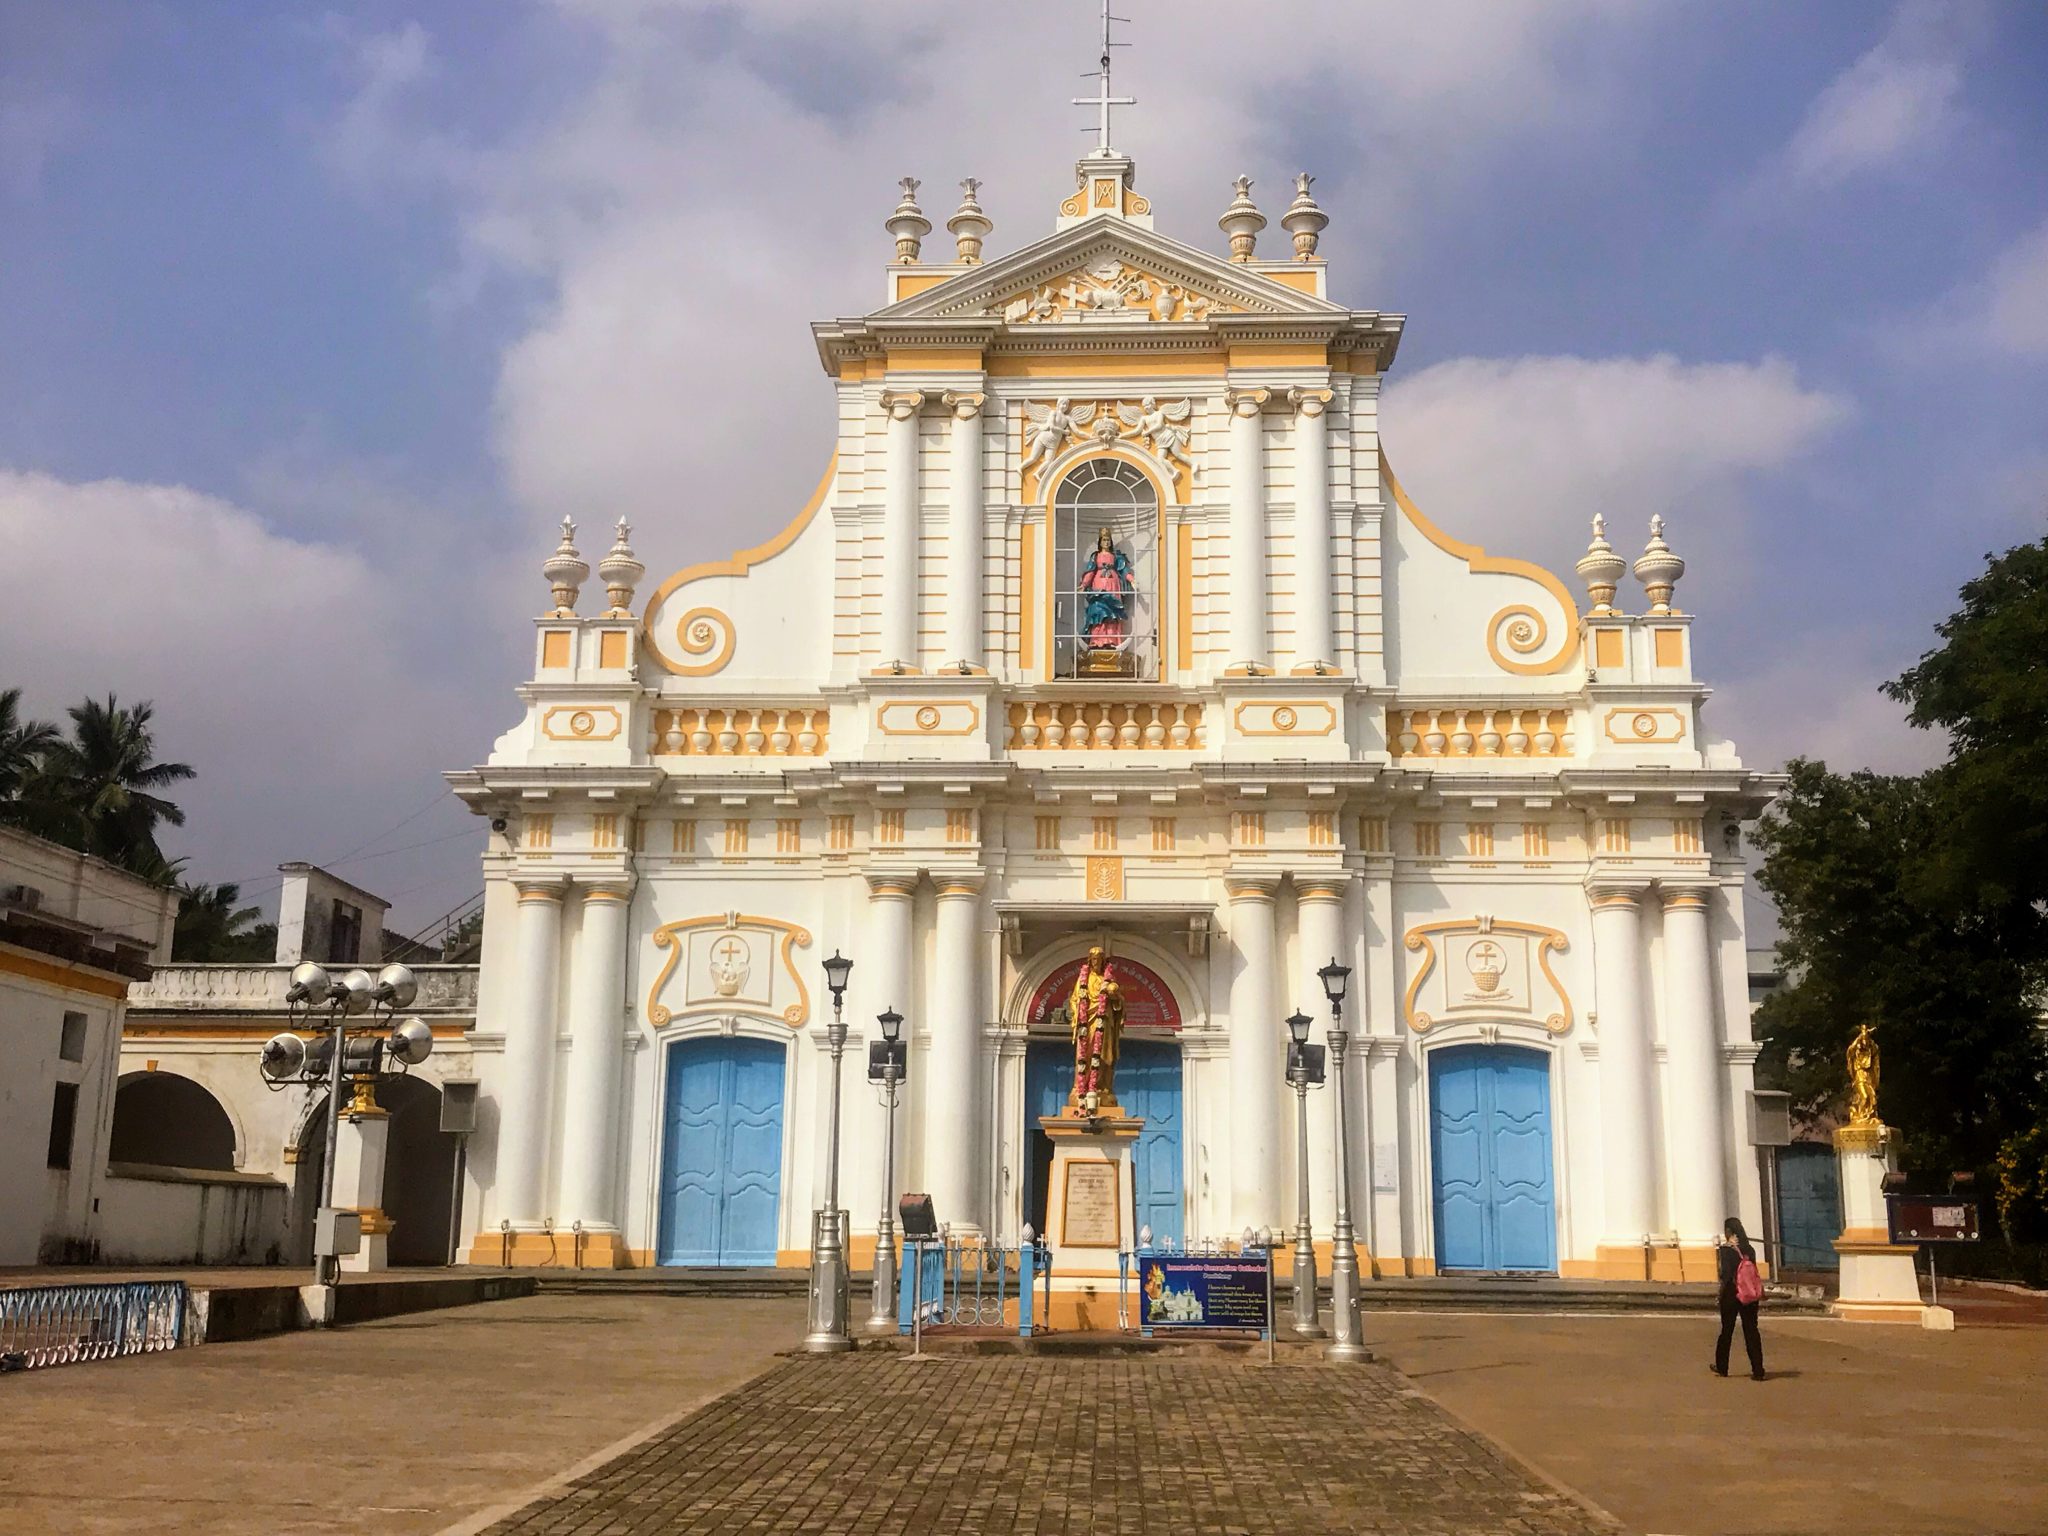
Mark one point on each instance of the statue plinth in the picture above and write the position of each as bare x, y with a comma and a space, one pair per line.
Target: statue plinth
1089, 1211
1879, 1283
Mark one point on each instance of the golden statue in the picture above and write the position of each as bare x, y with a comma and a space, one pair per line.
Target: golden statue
1095, 1019
1863, 1078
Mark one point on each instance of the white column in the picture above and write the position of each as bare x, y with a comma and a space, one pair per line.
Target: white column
1628, 1166
964, 531
524, 1124
1257, 1058
1319, 902
883, 979
953, 1150
1245, 565
1315, 627
898, 636
359, 1147
597, 992
1694, 1127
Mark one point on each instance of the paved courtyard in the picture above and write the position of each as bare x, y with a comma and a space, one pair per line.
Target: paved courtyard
882, 1443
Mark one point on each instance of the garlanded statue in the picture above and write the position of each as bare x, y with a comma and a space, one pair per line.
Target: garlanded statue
1095, 1017
1863, 1077
1106, 589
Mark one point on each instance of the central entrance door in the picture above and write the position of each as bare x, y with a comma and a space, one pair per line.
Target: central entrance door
1148, 1085
1489, 1131
721, 1152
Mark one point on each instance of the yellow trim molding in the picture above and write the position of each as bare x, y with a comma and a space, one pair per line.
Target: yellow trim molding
1643, 727
62, 976
739, 565
930, 717
1477, 559
582, 721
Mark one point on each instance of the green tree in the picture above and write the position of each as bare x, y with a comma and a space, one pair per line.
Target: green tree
22, 745
1865, 936
212, 928
96, 789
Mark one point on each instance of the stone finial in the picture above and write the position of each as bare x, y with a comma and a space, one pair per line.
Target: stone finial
908, 223
620, 571
1600, 567
1304, 219
969, 226
565, 570
1242, 221
1658, 569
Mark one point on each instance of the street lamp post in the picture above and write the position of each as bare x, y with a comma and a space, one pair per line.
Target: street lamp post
882, 1310
1347, 1341
1304, 1072
828, 1333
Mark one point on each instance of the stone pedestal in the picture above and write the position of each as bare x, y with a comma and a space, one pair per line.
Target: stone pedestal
359, 1177
1089, 1212
1879, 1283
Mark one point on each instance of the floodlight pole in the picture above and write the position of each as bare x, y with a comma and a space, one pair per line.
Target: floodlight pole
327, 1263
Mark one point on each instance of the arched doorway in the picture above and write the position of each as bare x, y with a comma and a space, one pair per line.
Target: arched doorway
419, 1171
1809, 1206
1490, 1159
721, 1151
170, 1121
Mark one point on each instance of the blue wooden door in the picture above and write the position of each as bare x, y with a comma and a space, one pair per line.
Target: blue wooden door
1148, 1085
1809, 1205
721, 1154
1490, 1158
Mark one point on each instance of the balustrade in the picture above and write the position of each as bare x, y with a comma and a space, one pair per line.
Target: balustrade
1480, 731
741, 732
1101, 727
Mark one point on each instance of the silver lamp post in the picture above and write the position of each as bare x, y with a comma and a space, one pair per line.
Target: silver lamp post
1347, 1338
1303, 1077
882, 1311
829, 1333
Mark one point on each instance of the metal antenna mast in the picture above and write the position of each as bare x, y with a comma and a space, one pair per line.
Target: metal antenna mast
1102, 100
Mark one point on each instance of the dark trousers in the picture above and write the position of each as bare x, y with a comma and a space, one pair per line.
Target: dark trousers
1746, 1310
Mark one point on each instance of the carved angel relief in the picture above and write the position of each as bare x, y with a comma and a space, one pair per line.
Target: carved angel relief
1109, 288
1164, 428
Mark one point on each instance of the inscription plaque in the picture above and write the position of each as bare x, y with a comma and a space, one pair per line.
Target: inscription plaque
1092, 1215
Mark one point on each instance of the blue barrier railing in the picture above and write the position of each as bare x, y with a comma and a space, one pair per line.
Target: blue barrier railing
971, 1284
44, 1325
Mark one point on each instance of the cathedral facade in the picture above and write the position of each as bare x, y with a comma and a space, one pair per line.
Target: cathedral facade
1109, 625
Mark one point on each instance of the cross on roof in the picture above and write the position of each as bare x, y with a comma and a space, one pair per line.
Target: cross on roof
1102, 100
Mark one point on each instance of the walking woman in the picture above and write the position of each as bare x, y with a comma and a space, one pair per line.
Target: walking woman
1742, 1291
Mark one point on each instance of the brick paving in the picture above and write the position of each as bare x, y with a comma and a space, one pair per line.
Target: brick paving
875, 1442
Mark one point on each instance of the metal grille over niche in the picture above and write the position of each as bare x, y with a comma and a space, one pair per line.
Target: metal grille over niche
1103, 727
741, 732
1479, 732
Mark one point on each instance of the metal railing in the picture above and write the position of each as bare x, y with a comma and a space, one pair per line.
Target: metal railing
62, 1324
947, 1282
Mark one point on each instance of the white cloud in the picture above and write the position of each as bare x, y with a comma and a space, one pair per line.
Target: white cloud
2007, 309
721, 178
298, 678
1896, 100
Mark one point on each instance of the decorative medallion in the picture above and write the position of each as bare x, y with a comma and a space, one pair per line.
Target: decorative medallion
1298, 717
935, 717
715, 966
1490, 969
571, 723
1657, 727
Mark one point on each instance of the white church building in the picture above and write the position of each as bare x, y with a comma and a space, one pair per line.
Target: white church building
1108, 623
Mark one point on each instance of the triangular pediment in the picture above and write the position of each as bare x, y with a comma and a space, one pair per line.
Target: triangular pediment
1107, 269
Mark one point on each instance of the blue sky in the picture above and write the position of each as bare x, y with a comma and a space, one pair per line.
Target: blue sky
313, 323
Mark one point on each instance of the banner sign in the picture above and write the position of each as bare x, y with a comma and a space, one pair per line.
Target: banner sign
1931, 1219
1196, 1292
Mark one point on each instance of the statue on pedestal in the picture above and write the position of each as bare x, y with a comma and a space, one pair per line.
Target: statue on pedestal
1105, 590
1863, 1077
1095, 1017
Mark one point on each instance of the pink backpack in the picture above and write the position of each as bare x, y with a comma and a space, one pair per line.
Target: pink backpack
1749, 1285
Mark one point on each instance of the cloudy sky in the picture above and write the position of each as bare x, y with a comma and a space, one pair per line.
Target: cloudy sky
312, 323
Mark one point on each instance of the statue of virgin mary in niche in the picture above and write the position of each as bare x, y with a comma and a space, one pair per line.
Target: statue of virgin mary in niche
1106, 590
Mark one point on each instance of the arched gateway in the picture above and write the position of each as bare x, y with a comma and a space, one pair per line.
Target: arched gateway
1108, 621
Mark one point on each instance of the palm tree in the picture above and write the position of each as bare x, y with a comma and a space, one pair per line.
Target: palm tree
95, 790
212, 927
22, 745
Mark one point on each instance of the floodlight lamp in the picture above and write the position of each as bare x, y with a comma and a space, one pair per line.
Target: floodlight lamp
411, 1042
309, 983
397, 986
892, 1025
284, 1057
356, 990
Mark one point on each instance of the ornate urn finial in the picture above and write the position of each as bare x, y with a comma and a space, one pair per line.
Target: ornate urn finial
1658, 569
908, 223
1600, 567
969, 225
1304, 219
565, 570
621, 572
1242, 221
